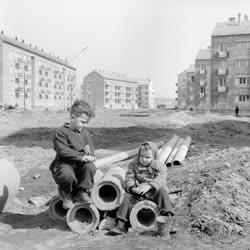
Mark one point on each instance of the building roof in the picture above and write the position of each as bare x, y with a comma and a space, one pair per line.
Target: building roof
191, 69
144, 81
203, 54
115, 76
22, 45
232, 28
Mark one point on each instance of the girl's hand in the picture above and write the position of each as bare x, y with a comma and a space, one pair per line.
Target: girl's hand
143, 188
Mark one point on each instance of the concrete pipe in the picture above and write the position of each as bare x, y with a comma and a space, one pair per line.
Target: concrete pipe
98, 175
9, 183
174, 151
120, 156
83, 218
143, 216
57, 212
108, 193
167, 149
182, 152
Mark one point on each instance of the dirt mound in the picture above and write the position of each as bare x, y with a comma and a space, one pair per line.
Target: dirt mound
218, 196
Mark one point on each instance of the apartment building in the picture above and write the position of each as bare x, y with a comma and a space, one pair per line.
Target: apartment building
186, 88
230, 64
110, 90
202, 79
31, 78
146, 94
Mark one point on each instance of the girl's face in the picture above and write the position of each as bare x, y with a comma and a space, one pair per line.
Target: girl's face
145, 158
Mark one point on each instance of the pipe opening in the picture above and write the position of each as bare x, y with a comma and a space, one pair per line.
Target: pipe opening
59, 210
146, 217
84, 216
108, 193
169, 164
176, 162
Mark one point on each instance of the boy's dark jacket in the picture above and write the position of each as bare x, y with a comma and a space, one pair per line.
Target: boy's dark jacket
71, 146
155, 174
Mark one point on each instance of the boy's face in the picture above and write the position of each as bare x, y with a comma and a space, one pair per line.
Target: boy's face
78, 122
146, 156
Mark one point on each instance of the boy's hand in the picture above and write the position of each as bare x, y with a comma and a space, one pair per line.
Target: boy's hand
88, 158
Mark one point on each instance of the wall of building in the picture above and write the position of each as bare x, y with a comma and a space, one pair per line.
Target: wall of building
202, 84
182, 91
93, 89
146, 96
1, 71
228, 88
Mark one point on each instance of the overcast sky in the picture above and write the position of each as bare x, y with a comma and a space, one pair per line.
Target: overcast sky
143, 38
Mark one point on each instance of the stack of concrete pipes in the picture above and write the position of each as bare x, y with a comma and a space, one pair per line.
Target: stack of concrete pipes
107, 194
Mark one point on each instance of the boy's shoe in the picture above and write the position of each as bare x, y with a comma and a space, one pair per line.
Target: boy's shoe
67, 204
119, 229
83, 197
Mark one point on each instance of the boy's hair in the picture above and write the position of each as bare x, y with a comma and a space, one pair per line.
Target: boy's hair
82, 107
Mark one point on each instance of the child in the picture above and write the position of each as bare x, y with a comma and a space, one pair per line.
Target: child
145, 179
73, 169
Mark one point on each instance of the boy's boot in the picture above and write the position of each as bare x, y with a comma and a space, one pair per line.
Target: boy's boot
118, 229
67, 201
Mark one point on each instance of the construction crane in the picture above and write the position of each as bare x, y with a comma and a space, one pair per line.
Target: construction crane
69, 59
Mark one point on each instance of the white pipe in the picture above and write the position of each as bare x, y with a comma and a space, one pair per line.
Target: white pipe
167, 149
182, 152
174, 151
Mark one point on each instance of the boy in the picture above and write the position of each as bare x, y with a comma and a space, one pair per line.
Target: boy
145, 179
73, 169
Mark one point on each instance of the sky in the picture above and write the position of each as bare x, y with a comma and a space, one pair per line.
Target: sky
153, 39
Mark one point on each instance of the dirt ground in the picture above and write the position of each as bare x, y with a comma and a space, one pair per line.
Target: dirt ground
210, 191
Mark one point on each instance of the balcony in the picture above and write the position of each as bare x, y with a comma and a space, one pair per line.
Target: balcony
222, 71
222, 54
202, 82
202, 71
202, 95
221, 89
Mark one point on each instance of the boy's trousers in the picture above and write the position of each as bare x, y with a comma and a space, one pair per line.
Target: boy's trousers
71, 178
161, 198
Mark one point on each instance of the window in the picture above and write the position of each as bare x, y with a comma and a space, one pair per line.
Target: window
55, 97
221, 47
46, 96
192, 78
242, 80
17, 95
40, 96
40, 84
46, 85
26, 95
223, 82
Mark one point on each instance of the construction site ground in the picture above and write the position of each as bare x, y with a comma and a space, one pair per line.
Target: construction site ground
210, 191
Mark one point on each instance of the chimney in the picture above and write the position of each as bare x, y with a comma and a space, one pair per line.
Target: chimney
239, 17
246, 17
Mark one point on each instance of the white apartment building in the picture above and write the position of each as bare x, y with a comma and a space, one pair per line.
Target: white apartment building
31, 78
146, 94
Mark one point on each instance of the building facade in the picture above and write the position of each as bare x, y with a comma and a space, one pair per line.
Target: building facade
30, 78
222, 72
202, 79
146, 94
110, 90
186, 88
230, 65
